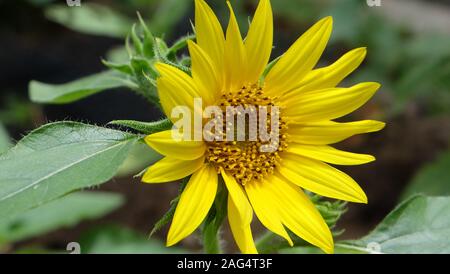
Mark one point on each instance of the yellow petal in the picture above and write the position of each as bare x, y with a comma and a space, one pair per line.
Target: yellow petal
237, 194
209, 33
235, 55
299, 214
321, 178
175, 88
329, 104
299, 60
205, 74
330, 155
265, 209
331, 76
328, 132
170, 169
194, 204
240, 214
240, 228
164, 143
259, 41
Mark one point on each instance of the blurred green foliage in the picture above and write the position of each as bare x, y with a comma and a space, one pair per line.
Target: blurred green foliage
414, 68
90, 19
115, 20
5, 142
14, 111
432, 179
62, 213
114, 239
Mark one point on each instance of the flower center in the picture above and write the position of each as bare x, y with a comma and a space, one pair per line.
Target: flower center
251, 158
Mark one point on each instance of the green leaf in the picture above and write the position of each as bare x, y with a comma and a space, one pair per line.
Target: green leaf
338, 249
79, 89
56, 159
148, 38
140, 157
145, 127
432, 180
5, 142
418, 225
62, 213
118, 240
180, 44
120, 67
271, 65
91, 18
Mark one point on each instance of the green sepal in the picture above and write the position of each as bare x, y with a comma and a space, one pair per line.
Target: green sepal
144, 127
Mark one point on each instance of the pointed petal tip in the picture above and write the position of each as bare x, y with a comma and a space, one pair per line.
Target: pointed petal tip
361, 51
170, 241
381, 126
374, 85
365, 200
329, 244
147, 178
327, 24
289, 240
367, 87
368, 159
230, 6
328, 20
161, 68
361, 199
328, 249
375, 126
173, 237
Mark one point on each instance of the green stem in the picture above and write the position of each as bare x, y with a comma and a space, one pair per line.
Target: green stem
211, 227
211, 241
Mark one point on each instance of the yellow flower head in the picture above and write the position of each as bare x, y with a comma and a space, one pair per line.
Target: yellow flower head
228, 71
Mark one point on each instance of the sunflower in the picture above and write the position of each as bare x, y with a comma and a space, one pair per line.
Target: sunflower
228, 70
